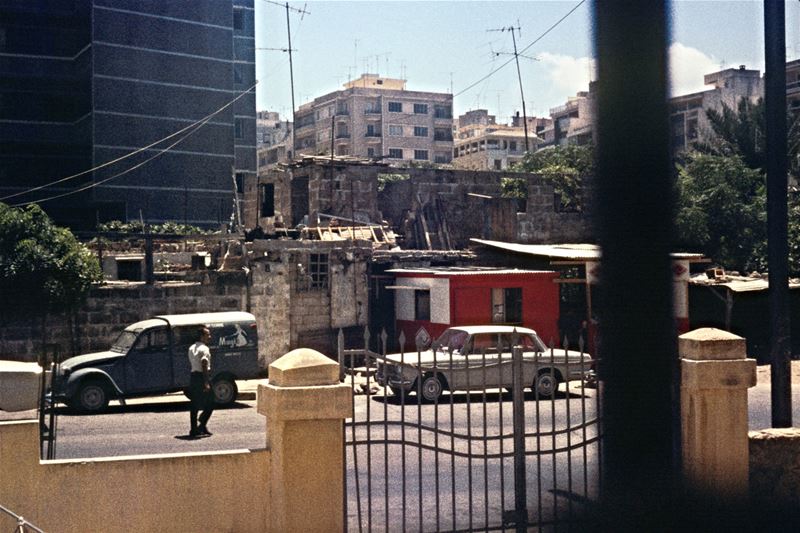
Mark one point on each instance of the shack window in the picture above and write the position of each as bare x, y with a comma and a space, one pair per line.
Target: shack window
313, 275
422, 305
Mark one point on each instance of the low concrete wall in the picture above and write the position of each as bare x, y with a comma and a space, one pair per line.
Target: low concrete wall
775, 467
223, 491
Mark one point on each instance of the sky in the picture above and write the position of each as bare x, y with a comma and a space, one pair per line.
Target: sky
448, 46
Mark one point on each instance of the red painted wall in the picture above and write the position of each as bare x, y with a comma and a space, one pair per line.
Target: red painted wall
471, 297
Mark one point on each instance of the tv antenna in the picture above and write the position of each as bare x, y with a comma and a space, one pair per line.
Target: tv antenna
512, 30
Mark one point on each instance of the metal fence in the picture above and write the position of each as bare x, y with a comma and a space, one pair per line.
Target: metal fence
21, 525
484, 456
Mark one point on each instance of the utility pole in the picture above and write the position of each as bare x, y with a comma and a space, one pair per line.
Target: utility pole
777, 212
519, 77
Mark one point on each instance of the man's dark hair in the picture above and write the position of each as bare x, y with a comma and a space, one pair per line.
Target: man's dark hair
201, 330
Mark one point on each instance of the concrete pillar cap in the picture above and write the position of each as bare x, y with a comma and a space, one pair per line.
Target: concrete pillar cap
303, 367
711, 344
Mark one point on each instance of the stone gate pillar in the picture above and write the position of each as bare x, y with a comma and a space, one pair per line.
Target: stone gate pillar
305, 406
715, 376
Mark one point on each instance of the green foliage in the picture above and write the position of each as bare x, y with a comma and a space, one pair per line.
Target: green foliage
135, 226
383, 179
43, 268
567, 167
514, 187
721, 189
722, 210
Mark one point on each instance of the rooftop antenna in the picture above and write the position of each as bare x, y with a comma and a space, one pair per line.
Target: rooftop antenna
512, 29
289, 49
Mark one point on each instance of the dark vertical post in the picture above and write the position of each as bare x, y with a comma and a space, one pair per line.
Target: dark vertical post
520, 483
777, 211
638, 349
149, 275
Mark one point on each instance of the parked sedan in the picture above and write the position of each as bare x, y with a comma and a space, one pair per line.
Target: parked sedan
480, 357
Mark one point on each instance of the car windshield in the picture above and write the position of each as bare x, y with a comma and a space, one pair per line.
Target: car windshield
452, 339
124, 341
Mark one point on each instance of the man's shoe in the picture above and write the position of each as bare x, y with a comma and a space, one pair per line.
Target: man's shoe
204, 431
194, 433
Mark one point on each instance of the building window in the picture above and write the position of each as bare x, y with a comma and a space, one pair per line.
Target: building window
240, 182
422, 305
341, 149
442, 134
268, 200
396, 153
238, 128
238, 19
372, 131
421, 155
441, 111
395, 131
498, 164
512, 146
420, 131
507, 306
313, 275
441, 157
373, 107
370, 152
421, 109
396, 107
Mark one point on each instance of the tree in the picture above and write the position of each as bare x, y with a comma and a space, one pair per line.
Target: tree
722, 210
44, 270
566, 166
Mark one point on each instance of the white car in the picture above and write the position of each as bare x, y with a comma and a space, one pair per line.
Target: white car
480, 357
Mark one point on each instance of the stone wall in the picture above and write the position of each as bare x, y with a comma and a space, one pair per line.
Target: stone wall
110, 308
350, 190
288, 315
775, 467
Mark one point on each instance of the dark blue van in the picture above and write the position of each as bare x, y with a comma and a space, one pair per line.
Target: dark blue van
150, 358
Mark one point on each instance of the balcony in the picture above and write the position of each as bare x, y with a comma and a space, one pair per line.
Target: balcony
442, 137
369, 111
342, 135
372, 134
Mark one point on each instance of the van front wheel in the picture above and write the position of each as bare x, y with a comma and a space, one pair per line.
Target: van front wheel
225, 390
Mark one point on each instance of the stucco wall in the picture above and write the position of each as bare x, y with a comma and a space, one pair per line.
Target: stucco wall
222, 491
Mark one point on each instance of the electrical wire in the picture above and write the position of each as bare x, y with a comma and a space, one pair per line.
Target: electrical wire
539, 38
203, 120
131, 169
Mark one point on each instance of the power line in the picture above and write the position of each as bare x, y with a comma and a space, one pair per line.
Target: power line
97, 183
551, 28
131, 154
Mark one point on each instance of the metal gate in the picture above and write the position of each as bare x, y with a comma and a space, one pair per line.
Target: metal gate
488, 458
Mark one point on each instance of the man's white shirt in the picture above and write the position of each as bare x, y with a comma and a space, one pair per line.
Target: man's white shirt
197, 353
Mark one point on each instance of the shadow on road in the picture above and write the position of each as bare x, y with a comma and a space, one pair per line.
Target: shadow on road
473, 397
155, 407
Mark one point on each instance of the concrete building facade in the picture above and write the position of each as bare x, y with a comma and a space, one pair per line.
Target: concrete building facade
377, 118
572, 122
86, 82
482, 144
688, 120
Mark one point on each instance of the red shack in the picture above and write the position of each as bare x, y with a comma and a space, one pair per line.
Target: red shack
437, 298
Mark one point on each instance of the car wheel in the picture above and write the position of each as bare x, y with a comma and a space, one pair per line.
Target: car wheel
545, 385
92, 397
432, 387
225, 391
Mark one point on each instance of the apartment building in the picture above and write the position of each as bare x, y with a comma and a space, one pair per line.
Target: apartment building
572, 122
86, 82
274, 138
482, 144
688, 120
793, 84
376, 117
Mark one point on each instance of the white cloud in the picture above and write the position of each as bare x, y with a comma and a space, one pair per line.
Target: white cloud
567, 74
687, 66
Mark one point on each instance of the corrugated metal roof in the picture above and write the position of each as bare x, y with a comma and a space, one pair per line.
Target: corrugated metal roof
739, 284
568, 252
574, 252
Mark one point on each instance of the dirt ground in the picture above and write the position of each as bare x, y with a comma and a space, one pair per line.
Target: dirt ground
763, 374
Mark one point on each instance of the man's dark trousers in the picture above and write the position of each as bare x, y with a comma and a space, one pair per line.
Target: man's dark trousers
200, 399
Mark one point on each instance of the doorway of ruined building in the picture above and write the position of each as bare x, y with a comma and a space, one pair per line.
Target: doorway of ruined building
299, 192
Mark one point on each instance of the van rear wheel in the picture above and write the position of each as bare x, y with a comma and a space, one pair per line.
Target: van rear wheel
225, 390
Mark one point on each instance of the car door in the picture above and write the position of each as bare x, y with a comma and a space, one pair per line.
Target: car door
148, 365
480, 367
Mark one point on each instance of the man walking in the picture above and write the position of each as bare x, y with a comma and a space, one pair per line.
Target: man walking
200, 393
